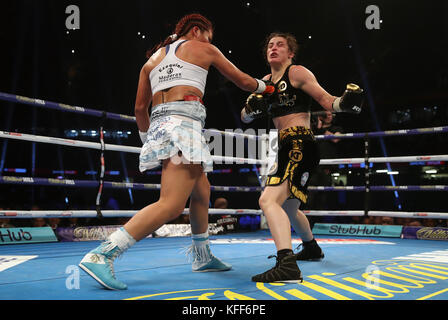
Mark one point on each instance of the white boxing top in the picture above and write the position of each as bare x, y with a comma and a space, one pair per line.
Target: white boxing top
173, 71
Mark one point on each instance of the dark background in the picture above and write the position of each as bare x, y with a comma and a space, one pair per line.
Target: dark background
402, 66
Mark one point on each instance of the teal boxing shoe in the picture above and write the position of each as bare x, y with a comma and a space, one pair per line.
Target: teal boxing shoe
98, 263
213, 264
204, 260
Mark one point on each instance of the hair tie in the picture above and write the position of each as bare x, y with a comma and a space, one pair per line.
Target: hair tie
173, 37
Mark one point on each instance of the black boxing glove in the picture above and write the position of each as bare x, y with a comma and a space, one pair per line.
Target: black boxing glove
351, 101
256, 107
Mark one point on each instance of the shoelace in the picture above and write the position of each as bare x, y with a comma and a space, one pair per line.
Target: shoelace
108, 246
188, 251
277, 262
194, 254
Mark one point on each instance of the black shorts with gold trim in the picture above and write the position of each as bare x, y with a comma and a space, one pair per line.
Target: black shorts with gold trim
297, 158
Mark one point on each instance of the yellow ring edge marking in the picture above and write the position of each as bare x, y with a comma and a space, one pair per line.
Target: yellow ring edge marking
433, 294
166, 293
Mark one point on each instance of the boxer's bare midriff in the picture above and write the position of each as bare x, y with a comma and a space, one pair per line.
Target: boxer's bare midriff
301, 119
175, 94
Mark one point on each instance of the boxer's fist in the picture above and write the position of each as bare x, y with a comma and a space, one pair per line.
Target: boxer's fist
256, 104
256, 107
351, 101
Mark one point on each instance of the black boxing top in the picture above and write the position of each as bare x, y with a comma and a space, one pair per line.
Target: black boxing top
286, 99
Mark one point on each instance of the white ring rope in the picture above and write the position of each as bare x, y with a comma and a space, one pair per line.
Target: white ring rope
442, 157
235, 134
111, 147
22, 214
25, 214
227, 160
66, 142
347, 213
402, 214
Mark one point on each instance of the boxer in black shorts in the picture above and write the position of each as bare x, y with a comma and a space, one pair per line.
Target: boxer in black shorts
298, 156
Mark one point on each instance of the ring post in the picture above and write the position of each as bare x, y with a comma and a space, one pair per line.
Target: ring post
102, 168
366, 175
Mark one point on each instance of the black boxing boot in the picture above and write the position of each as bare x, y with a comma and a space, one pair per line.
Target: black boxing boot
285, 269
310, 252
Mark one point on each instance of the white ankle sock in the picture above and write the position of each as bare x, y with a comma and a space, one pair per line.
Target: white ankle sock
200, 237
201, 246
122, 239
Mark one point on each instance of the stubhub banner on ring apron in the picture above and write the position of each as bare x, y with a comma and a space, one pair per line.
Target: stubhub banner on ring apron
26, 235
360, 230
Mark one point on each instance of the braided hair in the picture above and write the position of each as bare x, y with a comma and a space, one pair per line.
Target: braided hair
183, 26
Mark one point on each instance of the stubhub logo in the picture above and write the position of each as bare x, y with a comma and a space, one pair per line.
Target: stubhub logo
358, 230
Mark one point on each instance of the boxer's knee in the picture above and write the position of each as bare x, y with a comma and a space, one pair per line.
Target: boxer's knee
171, 208
266, 201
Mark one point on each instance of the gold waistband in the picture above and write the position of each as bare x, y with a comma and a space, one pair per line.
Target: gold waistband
295, 131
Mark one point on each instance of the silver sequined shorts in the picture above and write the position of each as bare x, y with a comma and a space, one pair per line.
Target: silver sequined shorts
176, 127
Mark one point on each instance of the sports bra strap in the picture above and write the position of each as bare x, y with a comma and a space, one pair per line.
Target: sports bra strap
167, 48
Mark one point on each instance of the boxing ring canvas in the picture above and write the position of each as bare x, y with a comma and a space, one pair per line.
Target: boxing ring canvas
354, 268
